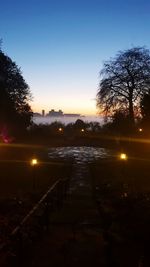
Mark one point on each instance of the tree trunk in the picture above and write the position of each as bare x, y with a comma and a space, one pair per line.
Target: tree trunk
131, 112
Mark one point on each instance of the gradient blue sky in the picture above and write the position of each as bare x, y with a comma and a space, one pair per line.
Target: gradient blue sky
61, 45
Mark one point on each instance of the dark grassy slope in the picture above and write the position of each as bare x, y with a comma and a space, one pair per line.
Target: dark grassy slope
122, 193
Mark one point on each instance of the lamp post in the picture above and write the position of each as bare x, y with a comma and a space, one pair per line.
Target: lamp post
34, 163
123, 158
60, 129
140, 130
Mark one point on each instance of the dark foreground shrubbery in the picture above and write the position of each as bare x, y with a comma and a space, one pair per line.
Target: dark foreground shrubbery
122, 193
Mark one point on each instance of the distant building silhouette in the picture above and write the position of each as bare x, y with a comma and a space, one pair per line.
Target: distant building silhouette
55, 113
43, 112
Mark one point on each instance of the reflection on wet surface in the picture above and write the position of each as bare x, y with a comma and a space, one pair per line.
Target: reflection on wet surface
80, 182
77, 238
79, 154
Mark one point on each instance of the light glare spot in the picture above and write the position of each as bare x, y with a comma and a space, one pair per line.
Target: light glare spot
140, 130
123, 156
34, 162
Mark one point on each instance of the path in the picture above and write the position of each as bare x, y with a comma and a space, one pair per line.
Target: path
75, 237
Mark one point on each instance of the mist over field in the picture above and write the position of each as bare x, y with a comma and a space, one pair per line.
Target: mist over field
66, 119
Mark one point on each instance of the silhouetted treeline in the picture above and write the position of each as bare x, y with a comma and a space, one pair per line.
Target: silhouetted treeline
113, 133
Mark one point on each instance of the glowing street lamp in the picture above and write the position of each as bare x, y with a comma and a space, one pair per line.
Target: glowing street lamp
122, 165
123, 156
82, 130
60, 129
140, 130
34, 162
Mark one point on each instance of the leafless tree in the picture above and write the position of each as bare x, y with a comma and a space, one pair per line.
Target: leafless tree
125, 79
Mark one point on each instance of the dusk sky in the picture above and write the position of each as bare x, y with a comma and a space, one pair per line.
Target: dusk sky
61, 45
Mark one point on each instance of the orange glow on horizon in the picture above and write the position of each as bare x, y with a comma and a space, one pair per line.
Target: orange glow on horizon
80, 107
81, 112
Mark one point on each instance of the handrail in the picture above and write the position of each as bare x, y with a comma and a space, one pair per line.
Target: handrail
17, 229
34, 208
